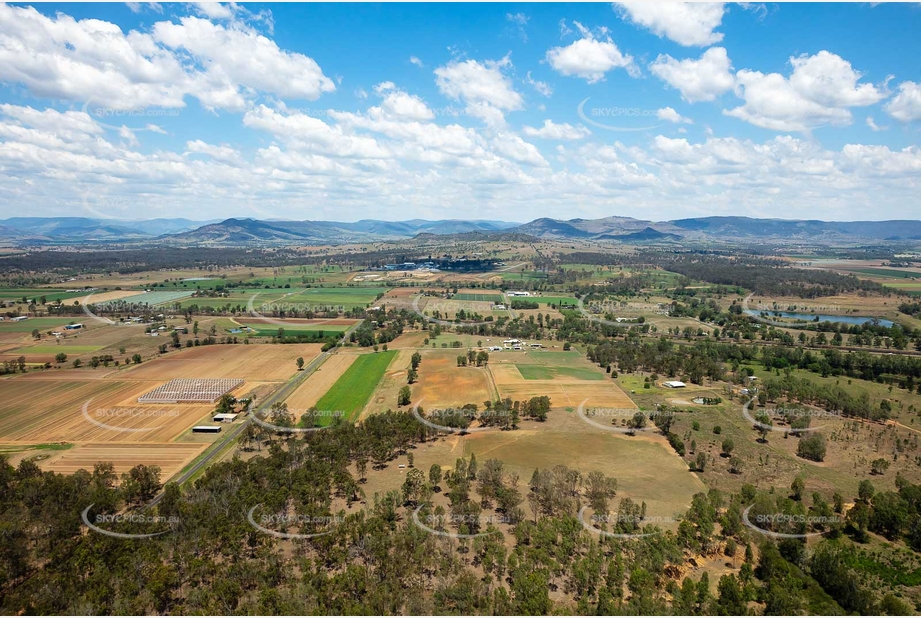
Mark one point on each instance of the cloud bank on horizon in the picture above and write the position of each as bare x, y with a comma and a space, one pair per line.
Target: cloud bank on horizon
344, 112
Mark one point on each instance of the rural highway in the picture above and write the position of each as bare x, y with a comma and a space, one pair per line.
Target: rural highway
279, 395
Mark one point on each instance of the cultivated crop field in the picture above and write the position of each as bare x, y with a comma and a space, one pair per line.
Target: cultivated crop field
347, 297
259, 362
319, 383
100, 298
489, 298
151, 299
53, 412
36, 294
543, 372
353, 389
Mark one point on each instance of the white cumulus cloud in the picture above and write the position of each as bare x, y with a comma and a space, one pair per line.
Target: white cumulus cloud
486, 90
561, 131
589, 57
685, 23
670, 115
906, 104
820, 91
703, 79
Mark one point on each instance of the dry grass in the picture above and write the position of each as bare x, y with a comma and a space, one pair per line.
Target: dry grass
564, 391
646, 468
443, 384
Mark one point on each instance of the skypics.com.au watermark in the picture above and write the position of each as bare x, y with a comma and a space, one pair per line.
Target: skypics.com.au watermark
118, 306
458, 420
286, 420
617, 118
791, 415
762, 522
107, 206
133, 119
796, 308
621, 521
113, 419
762, 313
448, 111
438, 310
298, 308
133, 518
268, 522
459, 521
281, 307
599, 310
619, 420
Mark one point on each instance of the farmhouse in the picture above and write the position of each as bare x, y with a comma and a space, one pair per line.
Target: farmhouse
674, 384
224, 417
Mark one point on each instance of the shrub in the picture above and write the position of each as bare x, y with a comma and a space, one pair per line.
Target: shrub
812, 448
677, 443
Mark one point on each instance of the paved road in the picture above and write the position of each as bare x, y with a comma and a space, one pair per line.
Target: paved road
279, 395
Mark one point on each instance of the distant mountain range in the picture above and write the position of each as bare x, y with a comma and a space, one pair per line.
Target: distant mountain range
68, 230
84, 229
244, 231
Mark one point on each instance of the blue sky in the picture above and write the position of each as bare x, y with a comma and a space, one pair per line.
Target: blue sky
450, 111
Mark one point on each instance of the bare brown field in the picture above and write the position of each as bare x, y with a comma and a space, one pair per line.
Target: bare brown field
9, 340
260, 362
409, 339
443, 384
309, 393
57, 375
30, 358
401, 293
400, 298
112, 413
171, 458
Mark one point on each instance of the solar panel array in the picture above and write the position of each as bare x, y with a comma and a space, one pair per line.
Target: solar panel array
204, 390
